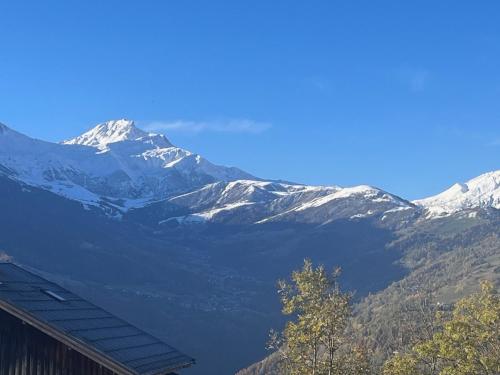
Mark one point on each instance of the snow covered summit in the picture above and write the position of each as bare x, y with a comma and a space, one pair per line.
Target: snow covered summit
115, 131
113, 161
480, 192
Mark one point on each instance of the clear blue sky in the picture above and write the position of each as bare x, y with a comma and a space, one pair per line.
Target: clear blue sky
403, 95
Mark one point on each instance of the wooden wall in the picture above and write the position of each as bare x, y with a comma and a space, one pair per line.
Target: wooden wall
27, 351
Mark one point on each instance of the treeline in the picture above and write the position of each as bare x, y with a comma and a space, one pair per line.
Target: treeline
321, 338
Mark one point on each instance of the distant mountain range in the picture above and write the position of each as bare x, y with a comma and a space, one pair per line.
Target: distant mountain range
118, 167
127, 219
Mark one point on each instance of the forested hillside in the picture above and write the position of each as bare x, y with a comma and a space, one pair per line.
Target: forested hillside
446, 260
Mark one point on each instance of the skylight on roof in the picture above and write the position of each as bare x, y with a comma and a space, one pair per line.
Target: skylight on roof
54, 295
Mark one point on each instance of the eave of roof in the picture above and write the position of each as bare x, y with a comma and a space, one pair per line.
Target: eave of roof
84, 348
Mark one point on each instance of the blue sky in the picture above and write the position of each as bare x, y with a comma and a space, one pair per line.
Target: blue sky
397, 94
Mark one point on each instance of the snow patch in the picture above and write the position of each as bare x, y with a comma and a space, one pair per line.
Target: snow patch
362, 190
204, 216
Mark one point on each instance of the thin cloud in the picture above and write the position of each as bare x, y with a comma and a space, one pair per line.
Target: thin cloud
495, 142
222, 126
319, 83
416, 80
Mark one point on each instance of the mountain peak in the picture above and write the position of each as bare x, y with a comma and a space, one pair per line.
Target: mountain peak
482, 191
3, 128
111, 132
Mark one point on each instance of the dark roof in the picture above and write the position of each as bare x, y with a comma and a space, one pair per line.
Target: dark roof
97, 334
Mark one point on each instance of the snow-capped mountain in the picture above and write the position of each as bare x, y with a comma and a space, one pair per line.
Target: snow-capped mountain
115, 162
480, 192
117, 131
261, 202
118, 167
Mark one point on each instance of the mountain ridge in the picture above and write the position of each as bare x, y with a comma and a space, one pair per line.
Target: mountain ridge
118, 167
129, 167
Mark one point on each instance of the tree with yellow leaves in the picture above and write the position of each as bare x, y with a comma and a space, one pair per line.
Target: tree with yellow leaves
468, 344
309, 343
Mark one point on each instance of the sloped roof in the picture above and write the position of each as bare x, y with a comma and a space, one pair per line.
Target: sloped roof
79, 324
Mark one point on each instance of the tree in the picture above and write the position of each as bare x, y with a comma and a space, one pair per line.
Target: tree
311, 341
401, 365
354, 361
468, 344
